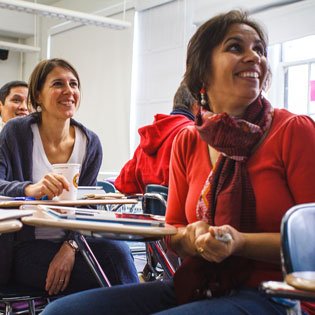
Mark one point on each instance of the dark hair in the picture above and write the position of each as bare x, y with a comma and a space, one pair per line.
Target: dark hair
208, 36
183, 98
39, 75
5, 90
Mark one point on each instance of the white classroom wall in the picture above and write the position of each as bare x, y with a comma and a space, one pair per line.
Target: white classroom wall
166, 30
104, 60
11, 68
163, 35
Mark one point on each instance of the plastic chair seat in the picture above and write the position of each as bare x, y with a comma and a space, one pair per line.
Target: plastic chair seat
16, 299
297, 253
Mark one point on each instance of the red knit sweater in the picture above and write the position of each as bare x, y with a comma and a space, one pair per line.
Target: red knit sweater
282, 172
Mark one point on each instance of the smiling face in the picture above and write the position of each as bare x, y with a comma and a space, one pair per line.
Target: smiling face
238, 71
15, 104
60, 95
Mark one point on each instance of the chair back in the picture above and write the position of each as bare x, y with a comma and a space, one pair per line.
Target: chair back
107, 186
154, 202
297, 237
154, 199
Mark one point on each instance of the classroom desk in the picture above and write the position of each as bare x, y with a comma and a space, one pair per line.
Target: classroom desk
79, 202
7, 226
98, 229
304, 280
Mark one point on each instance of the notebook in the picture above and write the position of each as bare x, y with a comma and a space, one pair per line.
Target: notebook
72, 213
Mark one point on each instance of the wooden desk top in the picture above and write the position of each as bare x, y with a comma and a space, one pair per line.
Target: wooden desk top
79, 202
304, 280
10, 226
100, 229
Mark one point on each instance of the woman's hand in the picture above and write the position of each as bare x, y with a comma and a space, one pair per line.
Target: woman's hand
258, 246
198, 238
183, 243
51, 185
214, 250
59, 270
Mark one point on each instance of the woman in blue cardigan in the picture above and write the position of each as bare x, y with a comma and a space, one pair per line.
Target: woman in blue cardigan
47, 258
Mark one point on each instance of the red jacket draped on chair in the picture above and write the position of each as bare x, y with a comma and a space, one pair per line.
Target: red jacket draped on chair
150, 163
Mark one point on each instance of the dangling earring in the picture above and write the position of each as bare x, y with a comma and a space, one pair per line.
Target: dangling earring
203, 101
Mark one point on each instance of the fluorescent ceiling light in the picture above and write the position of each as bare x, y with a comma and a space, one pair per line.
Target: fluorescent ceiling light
18, 47
65, 14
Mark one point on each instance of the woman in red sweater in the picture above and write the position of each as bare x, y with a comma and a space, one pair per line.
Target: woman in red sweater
232, 177
238, 170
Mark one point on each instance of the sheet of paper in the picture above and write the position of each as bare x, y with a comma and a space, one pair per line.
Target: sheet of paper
104, 196
85, 190
6, 214
5, 198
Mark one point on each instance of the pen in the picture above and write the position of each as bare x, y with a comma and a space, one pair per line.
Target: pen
24, 198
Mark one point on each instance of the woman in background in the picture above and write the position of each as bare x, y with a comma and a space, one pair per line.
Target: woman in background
232, 177
41, 257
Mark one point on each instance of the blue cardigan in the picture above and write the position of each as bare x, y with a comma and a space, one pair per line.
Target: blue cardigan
16, 148
16, 167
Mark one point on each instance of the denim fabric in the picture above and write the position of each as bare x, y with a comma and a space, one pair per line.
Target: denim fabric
32, 259
154, 297
240, 302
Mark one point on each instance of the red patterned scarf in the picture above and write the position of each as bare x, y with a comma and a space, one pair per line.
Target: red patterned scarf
227, 196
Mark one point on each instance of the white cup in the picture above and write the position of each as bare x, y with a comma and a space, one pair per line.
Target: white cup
71, 172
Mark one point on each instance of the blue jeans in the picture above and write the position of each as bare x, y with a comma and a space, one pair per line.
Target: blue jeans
158, 297
31, 260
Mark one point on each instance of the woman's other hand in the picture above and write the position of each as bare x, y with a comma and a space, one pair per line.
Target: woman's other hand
59, 270
211, 249
51, 185
183, 243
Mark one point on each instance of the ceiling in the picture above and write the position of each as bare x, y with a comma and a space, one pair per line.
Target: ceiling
48, 2
19, 30
102, 3
51, 2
